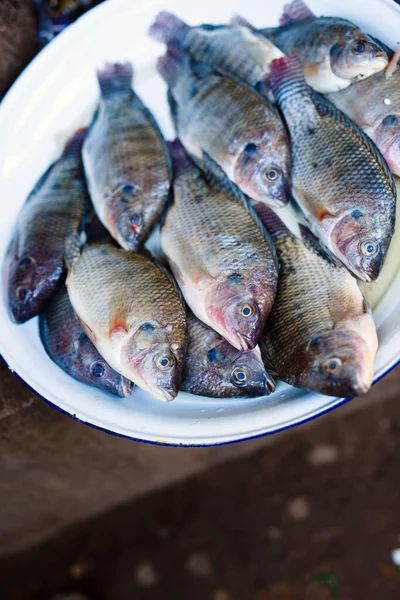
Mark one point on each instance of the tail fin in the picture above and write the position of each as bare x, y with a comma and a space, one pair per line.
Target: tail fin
171, 64
74, 143
294, 12
169, 29
286, 77
115, 78
180, 159
239, 21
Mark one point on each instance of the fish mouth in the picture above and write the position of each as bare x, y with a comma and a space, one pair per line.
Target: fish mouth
166, 394
360, 387
125, 387
269, 384
242, 341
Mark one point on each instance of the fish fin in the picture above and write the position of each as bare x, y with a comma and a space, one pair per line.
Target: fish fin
168, 28
181, 162
115, 77
313, 244
86, 329
239, 21
393, 64
294, 12
171, 64
40, 183
366, 307
173, 107
75, 142
270, 219
73, 247
286, 80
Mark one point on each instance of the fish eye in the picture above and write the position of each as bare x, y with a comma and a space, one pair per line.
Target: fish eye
20, 292
240, 376
272, 174
251, 148
247, 310
332, 365
24, 262
369, 248
98, 370
134, 219
359, 47
128, 188
390, 121
165, 362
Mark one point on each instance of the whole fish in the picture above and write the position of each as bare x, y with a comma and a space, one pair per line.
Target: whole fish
131, 310
230, 121
374, 104
334, 52
219, 252
70, 348
320, 335
340, 179
55, 211
236, 50
126, 160
214, 368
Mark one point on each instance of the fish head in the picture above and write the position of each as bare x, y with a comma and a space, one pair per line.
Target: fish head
361, 239
92, 369
262, 170
233, 309
387, 138
338, 363
357, 56
154, 360
31, 283
124, 217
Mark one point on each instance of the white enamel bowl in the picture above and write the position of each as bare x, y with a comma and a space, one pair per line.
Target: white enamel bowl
55, 95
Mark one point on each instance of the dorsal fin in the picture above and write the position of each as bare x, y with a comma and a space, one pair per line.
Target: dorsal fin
313, 244
239, 21
294, 12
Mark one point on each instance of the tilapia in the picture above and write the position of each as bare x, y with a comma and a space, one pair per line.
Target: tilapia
230, 121
236, 50
320, 335
334, 52
340, 180
221, 255
214, 368
126, 160
55, 211
374, 104
70, 348
133, 313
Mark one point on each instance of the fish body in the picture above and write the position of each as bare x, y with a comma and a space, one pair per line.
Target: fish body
70, 348
232, 123
126, 160
55, 211
215, 369
222, 259
236, 50
334, 52
340, 180
320, 334
374, 104
133, 313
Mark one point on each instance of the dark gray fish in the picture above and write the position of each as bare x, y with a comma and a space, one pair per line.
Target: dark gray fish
55, 211
126, 160
70, 348
214, 368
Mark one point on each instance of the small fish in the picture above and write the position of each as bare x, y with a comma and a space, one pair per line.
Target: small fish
374, 104
126, 160
215, 369
56, 210
230, 121
70, 348
236, 50
320, 335
340, 180
132, 311
219, 252
334, 52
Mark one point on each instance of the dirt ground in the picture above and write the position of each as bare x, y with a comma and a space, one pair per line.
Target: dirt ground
315, 517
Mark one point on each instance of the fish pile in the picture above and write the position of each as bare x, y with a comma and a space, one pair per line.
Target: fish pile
305, 115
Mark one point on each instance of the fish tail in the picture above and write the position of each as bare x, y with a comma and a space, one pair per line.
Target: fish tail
74, 143
286, 77
295, 11
114, 78
168, 28
180, 159
171, 65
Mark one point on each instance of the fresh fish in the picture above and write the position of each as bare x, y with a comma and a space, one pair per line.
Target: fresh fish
219, 252
70, 348
55, 211
230, 121
374, 104
214, 368
236, 50
334, 52
320, 335
131, 310
126, 160
340, 179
